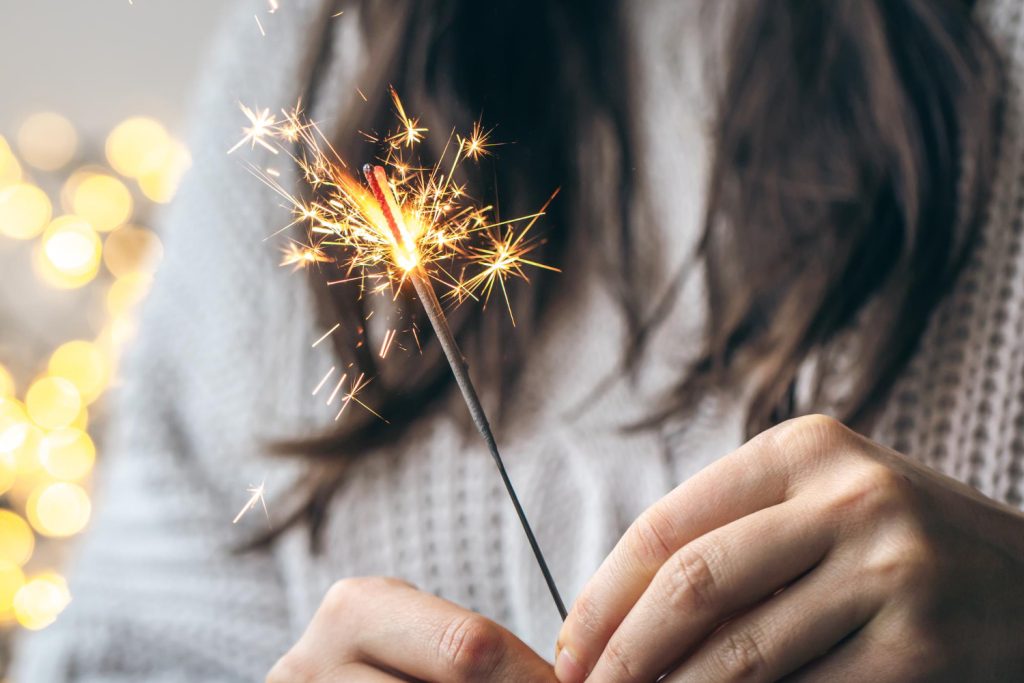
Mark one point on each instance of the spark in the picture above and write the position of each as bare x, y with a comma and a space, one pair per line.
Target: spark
261, 126
389, 337
416, 336
362, 95
443, 231
273, 5
337, 14
357, 386
323, 381
337, 388
327, 334
301, 256
504, 257
478, 143
410, 132
256, 497
260, 26
403, 221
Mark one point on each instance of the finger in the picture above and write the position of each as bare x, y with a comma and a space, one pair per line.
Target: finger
885, 650
395, 627
364, 673
709, 580
759, 474
298, 669
783, 634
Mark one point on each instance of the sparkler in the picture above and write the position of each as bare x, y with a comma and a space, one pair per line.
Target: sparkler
411, 225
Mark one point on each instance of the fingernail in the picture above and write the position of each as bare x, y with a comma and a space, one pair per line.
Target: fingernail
568, 669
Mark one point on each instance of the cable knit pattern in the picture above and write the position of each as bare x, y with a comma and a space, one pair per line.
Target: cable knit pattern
223, 365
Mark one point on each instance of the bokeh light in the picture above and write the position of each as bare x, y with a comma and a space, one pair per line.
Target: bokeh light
160, 184
24, 211
8, 471
83, 364
81, 420
10, 168
137, 146
71, 253
59, 510
47, 141
38, 602
16, 539
6, 383
126, 292
102, 200
12, 417
67, 454
24, 440
132, 249
53, 402
78, 222
11, 581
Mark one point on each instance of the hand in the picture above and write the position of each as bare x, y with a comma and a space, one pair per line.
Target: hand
814, 553
379, 629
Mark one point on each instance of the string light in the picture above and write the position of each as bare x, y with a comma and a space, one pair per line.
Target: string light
103, 201
38, 602
12, 579
24, 211
46, 452
47, 141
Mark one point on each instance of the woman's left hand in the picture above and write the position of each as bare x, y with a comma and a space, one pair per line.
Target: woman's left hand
810, 552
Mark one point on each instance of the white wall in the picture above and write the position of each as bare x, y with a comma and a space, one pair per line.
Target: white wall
98, 61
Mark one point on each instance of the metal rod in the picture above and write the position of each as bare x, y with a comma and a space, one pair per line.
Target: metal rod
377, 180
458, 364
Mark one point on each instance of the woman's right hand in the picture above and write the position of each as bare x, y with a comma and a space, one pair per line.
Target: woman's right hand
377, 629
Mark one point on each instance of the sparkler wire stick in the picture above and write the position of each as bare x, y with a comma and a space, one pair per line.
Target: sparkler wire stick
376, 177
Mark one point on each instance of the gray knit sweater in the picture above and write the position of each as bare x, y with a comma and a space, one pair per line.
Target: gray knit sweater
223, 365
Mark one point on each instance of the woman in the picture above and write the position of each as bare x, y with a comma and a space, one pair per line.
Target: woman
847, 174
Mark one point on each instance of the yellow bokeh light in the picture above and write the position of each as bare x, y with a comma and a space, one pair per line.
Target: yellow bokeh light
11, 581
102, 200
39, 601
24, 211
8, 472
16, 539
10, 169
83, 364
74, 181
25, 439
7, 387
132, 250
160, 184
12, 418
59, 510
53, 402
47, 141
81, 420
116, 333
137, 146
71, 253
126, 292
67, 454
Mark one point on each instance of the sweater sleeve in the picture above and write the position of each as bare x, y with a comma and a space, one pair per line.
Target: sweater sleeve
960, 405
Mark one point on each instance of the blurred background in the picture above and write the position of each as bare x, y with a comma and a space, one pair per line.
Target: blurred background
90, 147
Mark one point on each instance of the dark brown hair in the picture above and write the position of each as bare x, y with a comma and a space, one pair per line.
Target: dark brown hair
853, 152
